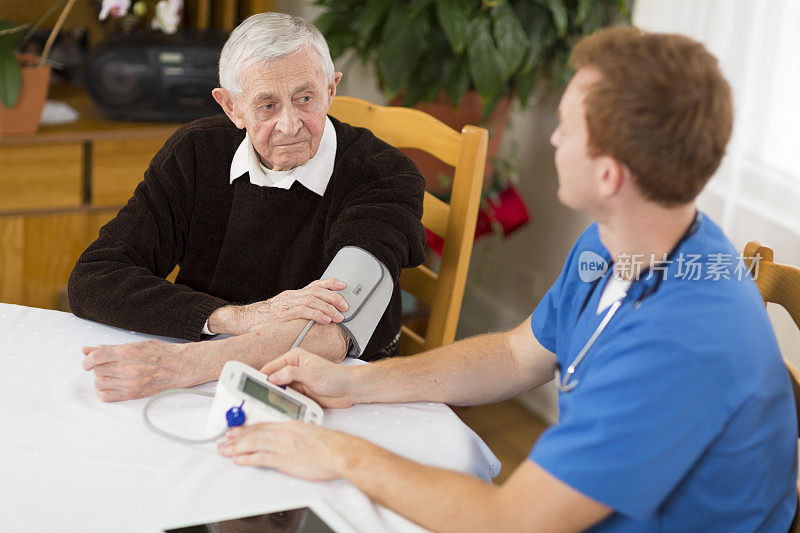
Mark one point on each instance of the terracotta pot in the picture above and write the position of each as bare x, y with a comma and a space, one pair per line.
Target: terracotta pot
468, 112
24, 116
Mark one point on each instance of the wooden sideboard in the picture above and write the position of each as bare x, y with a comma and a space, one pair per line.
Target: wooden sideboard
57, 188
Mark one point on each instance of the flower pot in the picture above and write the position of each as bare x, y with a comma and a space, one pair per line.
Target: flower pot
24, 116
468, 112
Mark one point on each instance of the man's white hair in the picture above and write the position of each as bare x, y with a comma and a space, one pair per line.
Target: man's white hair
264, 37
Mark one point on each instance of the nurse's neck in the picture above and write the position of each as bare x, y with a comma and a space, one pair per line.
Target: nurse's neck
639, 231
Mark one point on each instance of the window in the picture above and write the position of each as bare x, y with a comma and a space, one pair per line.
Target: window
755, 194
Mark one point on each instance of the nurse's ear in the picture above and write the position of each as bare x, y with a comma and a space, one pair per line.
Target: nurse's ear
612, 176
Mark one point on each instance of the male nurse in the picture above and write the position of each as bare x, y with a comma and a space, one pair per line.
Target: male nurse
676, 411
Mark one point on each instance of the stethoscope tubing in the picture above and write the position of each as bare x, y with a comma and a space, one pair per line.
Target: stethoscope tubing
567, 384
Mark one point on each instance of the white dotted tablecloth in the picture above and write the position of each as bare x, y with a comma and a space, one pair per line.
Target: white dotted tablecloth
69, 462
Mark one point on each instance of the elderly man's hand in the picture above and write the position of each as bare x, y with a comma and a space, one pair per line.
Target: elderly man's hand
293, 447
316, 301
137, 370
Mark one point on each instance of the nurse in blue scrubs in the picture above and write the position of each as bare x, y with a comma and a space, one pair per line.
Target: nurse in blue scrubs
676, 411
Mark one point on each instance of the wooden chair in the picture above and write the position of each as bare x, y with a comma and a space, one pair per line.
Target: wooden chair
779, 284
455, 223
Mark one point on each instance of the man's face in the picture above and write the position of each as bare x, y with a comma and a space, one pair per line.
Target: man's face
283, 106
575, 167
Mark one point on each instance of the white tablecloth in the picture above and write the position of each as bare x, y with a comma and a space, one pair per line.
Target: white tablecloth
69, 462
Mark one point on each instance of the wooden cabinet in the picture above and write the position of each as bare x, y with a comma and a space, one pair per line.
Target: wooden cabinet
41, 177
118, 166
57, 188
38, 253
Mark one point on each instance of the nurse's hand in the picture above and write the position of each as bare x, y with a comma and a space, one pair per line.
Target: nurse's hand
139, 369
295, 448
317, 301
328, 383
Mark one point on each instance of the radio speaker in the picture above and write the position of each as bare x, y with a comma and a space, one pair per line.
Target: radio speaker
155, 77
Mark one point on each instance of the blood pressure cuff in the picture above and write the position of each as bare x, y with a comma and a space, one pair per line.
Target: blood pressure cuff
368, 291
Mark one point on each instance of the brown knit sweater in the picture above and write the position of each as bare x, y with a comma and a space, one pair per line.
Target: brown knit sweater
240, 243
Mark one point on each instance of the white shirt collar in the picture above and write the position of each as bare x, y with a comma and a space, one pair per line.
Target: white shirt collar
314, 174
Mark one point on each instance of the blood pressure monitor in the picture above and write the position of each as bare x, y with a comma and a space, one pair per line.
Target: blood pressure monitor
244, 387
243, 396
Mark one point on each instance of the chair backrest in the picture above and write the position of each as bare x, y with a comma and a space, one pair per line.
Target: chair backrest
779, 284
455, 223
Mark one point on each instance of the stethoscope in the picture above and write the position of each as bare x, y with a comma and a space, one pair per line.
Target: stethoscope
566, 383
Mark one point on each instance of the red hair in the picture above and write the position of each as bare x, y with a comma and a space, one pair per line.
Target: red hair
661, 106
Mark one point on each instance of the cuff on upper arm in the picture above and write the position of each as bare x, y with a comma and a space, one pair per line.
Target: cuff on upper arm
369, 288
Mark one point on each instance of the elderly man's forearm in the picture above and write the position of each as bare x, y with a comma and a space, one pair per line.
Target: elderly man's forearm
259, 347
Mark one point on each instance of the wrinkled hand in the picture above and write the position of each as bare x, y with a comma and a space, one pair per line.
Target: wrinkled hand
328, 383
137, 370
317, 301
295, 448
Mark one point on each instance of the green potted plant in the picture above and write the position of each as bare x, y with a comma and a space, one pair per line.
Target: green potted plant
465, 60
24, 78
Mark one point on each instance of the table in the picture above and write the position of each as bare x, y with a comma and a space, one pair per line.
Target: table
70, 462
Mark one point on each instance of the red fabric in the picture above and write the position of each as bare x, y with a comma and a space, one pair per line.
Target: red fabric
508, 211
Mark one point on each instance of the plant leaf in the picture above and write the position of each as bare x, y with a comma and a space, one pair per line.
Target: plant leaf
338, 42
404, 39
562, 73
41, 21
328, 22
485, 64
419, 5
510, 37
591, 16
424, 84
488, 107
526, 81
370, 19
432, 75
453, 21
560, 15
584, 8
542, 38
624, 10
456, 77
10, 79
9, 38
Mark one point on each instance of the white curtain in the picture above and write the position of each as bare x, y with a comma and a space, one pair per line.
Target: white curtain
755, 195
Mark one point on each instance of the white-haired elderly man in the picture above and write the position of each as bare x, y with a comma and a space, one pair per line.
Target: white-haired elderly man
253, 206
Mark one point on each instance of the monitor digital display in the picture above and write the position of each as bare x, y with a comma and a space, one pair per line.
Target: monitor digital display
273, 398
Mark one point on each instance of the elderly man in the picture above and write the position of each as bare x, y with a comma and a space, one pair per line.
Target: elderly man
253, 207
676, 411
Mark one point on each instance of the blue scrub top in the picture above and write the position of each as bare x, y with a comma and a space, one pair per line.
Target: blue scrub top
683, 417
